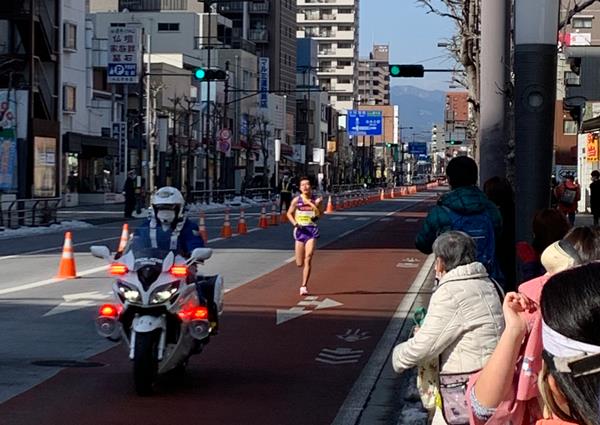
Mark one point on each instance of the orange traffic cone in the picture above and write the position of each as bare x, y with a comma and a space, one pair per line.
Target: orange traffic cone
274, 215
283, 218
202, 228
242, 228
263, 223
124, 238
382, 196
392, 193
66, 269
330, 209
226, 229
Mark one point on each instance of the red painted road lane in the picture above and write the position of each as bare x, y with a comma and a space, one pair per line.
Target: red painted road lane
255, 372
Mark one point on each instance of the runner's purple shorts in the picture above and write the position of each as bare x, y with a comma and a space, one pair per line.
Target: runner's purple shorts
305, 233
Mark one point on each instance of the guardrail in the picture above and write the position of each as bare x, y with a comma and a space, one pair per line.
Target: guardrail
29, 212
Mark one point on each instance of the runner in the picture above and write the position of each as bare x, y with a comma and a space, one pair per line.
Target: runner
303, 214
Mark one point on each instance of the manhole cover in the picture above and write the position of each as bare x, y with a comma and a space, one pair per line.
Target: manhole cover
66, 363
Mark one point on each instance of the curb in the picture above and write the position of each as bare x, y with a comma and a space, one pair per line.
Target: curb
352, 408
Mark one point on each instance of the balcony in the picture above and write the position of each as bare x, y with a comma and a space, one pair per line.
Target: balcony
345, 35
153, 5
346, 18
258, 35
238, 7
328, 52
345, 53
263, 7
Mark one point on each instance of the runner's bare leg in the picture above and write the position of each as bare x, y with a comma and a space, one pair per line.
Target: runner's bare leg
309, 249
299, 254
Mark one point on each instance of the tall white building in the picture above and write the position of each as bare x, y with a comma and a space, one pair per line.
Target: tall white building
334, 24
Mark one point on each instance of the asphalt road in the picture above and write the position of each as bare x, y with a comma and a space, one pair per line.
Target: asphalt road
302, 370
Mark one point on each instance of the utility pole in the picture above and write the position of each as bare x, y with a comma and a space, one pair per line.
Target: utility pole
208, 4
493, 144
536, 29
149, 140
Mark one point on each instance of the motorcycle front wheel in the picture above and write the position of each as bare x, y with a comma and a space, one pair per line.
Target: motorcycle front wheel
145, 362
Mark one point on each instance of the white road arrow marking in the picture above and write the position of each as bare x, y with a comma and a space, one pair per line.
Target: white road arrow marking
78, 301
300, 310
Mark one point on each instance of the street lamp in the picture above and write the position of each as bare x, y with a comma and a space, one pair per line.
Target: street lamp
402, 153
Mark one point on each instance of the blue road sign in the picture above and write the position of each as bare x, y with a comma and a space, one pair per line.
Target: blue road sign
364, 123
416, 148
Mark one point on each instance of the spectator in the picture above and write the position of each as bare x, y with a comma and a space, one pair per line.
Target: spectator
595, 196
570, 379
505, 391
500, 192
464, 320
464, 208
568, 194
130, 194
549, 226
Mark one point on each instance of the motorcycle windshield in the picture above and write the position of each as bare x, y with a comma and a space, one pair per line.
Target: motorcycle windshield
145, 254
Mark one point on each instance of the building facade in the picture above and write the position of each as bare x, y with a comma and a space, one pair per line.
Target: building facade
335, 25
374, 77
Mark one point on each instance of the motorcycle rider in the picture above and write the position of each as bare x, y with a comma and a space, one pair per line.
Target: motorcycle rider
168, 228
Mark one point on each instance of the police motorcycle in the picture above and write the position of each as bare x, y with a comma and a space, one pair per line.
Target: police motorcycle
164, 308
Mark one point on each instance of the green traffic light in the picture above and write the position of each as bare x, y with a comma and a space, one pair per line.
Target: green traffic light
395, 70
200, 74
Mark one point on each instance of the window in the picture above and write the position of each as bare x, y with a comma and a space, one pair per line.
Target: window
168, 26
69, 98
345, 27
344, 45
70, 36
572, 79
345, 11
344, 63
582, 22
344, 98
569, 127
105, 131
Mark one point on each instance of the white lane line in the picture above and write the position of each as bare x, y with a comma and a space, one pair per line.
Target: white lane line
357, 398
412, 220
338, 218
40, 251
362, 219
49, 281
386, 219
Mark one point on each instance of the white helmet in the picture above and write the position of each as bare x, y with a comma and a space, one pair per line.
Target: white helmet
168, 204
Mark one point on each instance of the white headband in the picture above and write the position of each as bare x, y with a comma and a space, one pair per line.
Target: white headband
561, 346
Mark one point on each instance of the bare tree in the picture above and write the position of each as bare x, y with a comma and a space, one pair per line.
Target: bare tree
259, 133
573, 7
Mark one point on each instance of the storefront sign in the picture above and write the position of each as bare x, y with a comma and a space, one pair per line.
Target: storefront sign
44, 166
124, 55
224, 141
592, 147
263, 70
8, 160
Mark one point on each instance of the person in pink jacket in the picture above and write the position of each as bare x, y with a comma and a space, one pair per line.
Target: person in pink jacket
505, 391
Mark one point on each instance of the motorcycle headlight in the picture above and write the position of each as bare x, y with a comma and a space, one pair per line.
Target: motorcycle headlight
129, 294
164, 293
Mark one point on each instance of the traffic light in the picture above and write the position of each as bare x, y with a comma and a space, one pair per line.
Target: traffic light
409, 71
202, 74
455, 142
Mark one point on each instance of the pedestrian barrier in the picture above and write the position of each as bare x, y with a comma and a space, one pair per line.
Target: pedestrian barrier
124, 238
242, 228
274, 214
202, 227
226, 229
263, 223
66, 268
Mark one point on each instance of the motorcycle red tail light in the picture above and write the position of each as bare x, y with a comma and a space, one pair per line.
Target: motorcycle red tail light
179, 271
118, 269
109, 310
194, 313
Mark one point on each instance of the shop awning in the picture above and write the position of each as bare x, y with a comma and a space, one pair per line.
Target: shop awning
77, 142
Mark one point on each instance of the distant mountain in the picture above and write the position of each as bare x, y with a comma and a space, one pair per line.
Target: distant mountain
419, 108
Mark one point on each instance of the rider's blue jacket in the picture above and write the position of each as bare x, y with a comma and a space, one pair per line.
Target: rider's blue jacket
188, 240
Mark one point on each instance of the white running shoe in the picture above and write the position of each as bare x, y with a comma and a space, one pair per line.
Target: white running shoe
303, 290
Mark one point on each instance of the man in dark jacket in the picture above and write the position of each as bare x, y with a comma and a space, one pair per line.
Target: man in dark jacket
595, 196
464, 199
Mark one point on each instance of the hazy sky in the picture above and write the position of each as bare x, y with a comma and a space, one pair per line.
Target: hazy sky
412, 35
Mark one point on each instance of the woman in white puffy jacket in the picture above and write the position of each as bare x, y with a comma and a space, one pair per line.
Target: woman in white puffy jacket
464, 319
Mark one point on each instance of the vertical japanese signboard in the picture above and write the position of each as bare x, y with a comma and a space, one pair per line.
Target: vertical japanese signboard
8, 160
263, 71
124, 54
119, 133
592, 147
44, 166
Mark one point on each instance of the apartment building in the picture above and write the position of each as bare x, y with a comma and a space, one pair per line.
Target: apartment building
335, 25
374, 77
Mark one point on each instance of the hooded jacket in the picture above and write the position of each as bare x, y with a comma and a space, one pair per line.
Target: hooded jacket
465, 200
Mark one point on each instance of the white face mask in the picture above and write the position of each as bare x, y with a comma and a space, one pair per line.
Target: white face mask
166, 217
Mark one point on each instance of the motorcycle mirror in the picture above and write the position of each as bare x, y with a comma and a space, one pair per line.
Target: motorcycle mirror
168, 262
201, 254
100, 251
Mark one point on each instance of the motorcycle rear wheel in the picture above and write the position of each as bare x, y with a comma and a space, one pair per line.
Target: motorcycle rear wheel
145, 362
